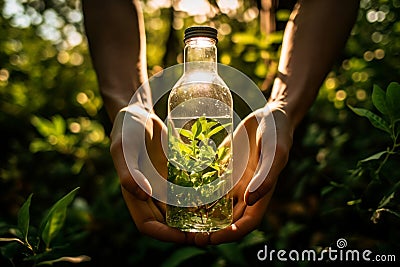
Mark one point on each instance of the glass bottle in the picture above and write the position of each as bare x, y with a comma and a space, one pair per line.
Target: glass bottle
200, 125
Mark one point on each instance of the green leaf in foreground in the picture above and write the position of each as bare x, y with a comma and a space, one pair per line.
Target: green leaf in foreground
374, 156
393, 99
55, 218
181, 255
375, 120
23, 218
379, 100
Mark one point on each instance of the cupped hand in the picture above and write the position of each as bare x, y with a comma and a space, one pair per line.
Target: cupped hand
268, 150
136, 138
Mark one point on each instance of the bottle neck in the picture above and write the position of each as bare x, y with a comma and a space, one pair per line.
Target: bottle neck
200, 54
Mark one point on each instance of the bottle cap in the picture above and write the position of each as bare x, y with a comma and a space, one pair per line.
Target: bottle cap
201, 31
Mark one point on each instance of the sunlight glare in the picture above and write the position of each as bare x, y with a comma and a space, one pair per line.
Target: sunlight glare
157, 4
202, 7
228, 6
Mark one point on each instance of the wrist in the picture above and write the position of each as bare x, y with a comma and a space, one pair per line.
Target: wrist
114, 101
114, 104
293, 100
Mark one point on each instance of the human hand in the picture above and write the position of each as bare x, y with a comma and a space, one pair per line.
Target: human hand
145, 131
253, 191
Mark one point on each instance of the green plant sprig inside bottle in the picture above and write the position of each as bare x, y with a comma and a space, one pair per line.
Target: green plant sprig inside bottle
200, 112
196, 161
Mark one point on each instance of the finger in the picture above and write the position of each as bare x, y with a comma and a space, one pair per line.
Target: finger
274, 156
138, 183
127, 180
235, 231
238, 210
202, 239
245, 224
264, 179
149, 219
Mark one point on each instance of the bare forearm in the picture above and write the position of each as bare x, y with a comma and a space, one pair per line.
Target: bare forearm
117, 41
314, 36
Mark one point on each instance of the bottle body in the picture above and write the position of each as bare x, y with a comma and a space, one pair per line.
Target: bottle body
200, 126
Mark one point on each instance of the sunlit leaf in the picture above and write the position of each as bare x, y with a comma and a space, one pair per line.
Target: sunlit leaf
196, 129
215, 130
253, 238
183, 148
186, 133
208, 174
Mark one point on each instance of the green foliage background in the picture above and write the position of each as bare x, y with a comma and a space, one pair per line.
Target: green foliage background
54, 137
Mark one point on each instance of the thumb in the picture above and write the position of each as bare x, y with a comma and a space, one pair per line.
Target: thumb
261, 183
137, 184
130, 178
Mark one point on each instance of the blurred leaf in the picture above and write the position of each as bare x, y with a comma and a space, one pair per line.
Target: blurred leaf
59, 125
23, 218
374, 156
261, 69
379, 100
43, 126
393, 99
253, 238
77, 259
232, 253
181, 255
245, 38
283, 14
325, 190
385, 200
377, 214
354, 202
196, 128
10, 250
39, 145
273, 38
375, 120
11, 239
55, 218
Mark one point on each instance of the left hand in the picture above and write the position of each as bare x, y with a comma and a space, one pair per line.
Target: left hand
143, 149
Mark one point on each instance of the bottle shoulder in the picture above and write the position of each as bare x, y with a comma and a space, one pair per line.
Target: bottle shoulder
187, 89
